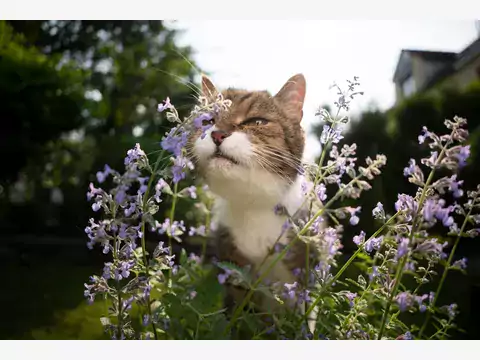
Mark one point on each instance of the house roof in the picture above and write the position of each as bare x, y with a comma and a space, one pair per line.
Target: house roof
452, 61
436, 56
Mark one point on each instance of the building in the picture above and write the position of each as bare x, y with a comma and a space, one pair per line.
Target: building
420, 71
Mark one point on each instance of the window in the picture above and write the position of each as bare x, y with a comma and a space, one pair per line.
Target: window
408, 86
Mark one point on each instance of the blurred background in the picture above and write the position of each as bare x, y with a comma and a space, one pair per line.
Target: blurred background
76, 95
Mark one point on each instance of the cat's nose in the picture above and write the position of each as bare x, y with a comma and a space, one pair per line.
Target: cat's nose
218, 136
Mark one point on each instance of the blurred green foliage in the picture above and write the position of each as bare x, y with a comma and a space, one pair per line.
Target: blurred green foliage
77, 95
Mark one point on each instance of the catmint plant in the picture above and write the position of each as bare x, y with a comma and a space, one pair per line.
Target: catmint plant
160, 294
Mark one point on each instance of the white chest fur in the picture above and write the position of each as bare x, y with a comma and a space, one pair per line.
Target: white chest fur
254, 230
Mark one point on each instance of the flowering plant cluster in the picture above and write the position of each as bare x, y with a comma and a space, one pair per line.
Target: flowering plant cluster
159, 294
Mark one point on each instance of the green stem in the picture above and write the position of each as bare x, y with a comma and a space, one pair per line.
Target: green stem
280, 256
143, 240
349, 261
398, 277
445, 270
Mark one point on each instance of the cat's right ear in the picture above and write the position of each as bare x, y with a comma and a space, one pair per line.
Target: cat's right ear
292, 95
208, 89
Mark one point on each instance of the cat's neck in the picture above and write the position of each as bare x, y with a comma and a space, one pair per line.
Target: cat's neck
262, 199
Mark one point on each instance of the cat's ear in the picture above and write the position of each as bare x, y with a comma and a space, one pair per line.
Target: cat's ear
291, 97
208, 89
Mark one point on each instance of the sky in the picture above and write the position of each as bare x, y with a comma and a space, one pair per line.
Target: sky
263, 55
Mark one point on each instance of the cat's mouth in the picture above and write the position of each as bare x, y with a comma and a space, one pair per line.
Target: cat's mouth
220, 155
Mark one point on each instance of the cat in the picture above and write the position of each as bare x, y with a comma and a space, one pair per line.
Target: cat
251, 158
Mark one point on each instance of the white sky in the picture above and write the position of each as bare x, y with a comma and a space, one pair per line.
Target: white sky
264, 54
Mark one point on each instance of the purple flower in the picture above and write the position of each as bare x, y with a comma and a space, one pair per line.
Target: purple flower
134, 154
378, 212
402, 248
452, 310
410, 169
358, 239
289, 292
351, 296
330, 134
353, 215
101, 176
453, 186
127, 304
164, 105
429, 210
96, 206
431, 247
143, 185
201, 230
420, 300
223, 277
93, 191
407, 204
460, 264
321, 192
180, 164
192, 192
175, 143
129, 211
425, 134
374, 272
203, 122
146, 320
463, 155
121, 195
373, 243
404, 301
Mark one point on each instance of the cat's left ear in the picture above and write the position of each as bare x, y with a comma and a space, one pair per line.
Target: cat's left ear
291, 97
208, 89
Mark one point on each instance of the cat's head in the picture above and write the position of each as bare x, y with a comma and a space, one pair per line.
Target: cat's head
257, 145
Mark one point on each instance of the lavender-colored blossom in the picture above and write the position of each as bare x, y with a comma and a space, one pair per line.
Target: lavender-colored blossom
203, 122
425, 133
378, 212
407, 204
130, 210
373, 244
374, 273
353, 215
175, 141
460, 264
134, 154
143, 184
410, 169
290, 290
180, 164
350, 296
93, 192
102, 175
402, 248
330, 134
359, 239
192, 191
96, 206
463, 155
222, 278
201, 230
429, 210
431, 247
404, 301
321, 192
452, 310
164, 105
146, 320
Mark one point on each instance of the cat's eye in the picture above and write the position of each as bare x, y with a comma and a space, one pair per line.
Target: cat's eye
208, 122
255, 121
